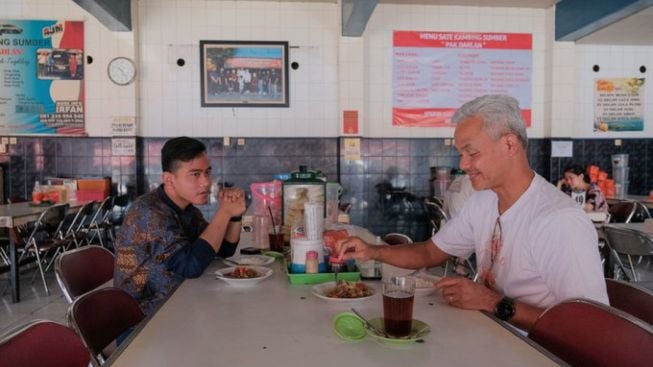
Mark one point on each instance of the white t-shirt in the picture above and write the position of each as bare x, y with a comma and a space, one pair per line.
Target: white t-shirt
549, 249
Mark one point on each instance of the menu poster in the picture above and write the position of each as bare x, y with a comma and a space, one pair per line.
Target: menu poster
434, 73
618, 104
42, 77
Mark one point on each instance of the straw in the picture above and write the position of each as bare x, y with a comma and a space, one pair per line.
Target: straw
274, 226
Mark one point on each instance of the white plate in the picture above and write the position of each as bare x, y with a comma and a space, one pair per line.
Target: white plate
243, 282
424, 283
320, 290
254, 260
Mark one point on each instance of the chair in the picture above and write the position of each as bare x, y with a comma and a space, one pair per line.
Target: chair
43, 343
81, 270
631, 299
72, 227
436, 215
397, 239
99, 223
630, 243
40, 238
101, 315
587, 333
628, 212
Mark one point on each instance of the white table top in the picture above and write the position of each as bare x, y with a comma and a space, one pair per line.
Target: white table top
207, 322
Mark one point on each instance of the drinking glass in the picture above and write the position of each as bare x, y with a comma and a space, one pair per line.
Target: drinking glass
398, 299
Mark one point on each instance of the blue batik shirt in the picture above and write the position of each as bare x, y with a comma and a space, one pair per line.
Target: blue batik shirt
158, 246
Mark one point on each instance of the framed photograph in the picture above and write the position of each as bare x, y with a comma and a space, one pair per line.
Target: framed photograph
244, 73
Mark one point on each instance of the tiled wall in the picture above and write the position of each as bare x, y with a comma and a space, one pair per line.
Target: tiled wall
385, 187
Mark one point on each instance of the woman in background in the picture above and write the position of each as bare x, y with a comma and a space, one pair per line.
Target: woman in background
576, 179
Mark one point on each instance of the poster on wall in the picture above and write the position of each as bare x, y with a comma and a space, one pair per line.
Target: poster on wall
42, 77
619, 104
434, 73
244, 73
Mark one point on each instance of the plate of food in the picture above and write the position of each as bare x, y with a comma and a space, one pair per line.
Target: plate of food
255, 260
424, 283
343, 291
243, 275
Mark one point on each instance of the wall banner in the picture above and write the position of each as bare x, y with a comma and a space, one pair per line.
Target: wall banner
42, 77
619, 104
434, 73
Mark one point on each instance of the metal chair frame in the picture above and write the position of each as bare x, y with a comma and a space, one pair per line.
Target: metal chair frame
68, 347
33, 243
100, 220
94, 257
115, 311
587, 333
630, 243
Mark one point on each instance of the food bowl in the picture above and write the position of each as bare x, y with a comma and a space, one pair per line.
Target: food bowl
223, 274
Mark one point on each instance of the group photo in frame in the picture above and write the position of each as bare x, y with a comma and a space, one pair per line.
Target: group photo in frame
244, 73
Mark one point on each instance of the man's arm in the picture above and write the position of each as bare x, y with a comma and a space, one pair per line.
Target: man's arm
463, 293
411, 256
232, 204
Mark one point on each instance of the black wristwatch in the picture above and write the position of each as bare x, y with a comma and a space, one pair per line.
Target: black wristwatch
236, 219
505, 309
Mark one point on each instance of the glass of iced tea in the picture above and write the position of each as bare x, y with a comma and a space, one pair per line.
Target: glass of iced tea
398, 297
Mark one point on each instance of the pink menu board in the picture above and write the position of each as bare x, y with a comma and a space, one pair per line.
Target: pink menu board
434, 73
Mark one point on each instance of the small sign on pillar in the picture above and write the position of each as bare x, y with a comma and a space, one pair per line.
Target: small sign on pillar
350, 122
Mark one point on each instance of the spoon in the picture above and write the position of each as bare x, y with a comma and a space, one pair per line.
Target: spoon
370, 325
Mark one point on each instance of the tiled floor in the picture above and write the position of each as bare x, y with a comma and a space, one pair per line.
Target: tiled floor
36, 305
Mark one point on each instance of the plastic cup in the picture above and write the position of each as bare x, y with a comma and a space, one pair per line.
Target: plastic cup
398, 299
276, 240
313, 220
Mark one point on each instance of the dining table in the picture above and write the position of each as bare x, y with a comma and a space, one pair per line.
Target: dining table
13, 215
208, 322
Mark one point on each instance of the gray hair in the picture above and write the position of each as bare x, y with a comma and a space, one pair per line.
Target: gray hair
500, 114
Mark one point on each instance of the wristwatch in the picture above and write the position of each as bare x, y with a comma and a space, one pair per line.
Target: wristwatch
505, 309
236, 219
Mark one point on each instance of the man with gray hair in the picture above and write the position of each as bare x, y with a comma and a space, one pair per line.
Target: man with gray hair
534, 246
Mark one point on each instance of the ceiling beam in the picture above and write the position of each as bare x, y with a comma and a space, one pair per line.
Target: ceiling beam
576, 19
116, 15
355, 14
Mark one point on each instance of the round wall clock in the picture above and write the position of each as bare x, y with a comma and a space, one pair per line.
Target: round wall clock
122, 70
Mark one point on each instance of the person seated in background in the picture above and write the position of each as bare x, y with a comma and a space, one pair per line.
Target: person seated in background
534, 246
164, 238
575, 178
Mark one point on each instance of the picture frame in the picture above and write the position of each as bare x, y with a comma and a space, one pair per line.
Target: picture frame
244, 73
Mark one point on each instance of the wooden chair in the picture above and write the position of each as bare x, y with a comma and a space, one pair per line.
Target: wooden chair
42, 343
81, 270
102, 315
630, 298
587, 333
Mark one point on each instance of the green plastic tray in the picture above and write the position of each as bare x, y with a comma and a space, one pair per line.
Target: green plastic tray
303, 278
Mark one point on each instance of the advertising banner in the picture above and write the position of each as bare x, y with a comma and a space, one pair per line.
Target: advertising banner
619, 104
42, 77
434, 73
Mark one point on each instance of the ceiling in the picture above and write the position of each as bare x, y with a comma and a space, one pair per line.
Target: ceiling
636, 29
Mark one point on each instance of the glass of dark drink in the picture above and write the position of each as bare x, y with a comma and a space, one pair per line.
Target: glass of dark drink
398, 297
276, 239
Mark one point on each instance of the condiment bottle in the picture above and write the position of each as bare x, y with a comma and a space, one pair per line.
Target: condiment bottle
311, 262
37, 194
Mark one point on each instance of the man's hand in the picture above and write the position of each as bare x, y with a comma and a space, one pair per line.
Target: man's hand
232, 201
354, 248
463, 293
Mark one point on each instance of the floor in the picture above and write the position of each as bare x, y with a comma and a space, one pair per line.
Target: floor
35, 304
